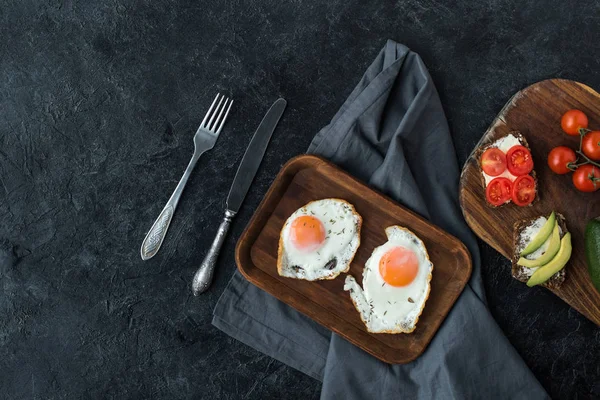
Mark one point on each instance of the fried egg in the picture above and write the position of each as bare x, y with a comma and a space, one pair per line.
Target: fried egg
396, 283
319, 240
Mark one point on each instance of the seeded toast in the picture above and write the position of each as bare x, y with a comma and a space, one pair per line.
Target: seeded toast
332, 268
482, 149
519, 272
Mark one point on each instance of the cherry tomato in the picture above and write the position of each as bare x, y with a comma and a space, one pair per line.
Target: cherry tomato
519, 161
572, 120
587, 178
591, 145
559, 157
497, 191
523, 190
493, 161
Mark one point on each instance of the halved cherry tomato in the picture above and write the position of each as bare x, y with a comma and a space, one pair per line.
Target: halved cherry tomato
519, 161
587, 178
572, 121
591, 145
523, 190
559, 158
493, 161
498, 190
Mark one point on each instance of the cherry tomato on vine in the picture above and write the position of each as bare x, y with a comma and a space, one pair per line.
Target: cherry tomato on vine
523, 190
587, 178
591, 145
559, 157
572, 121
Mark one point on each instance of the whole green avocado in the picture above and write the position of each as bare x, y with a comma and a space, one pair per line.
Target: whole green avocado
592, 250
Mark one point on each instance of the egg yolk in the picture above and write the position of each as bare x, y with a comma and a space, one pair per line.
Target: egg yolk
307, 233
399, 266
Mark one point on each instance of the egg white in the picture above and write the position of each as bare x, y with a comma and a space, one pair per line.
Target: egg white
342, 227
385, 308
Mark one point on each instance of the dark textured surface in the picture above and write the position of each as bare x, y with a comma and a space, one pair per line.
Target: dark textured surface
98, 105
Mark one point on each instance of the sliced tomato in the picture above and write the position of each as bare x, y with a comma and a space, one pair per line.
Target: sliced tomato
498, 191
519, 161
493, 161
523, 190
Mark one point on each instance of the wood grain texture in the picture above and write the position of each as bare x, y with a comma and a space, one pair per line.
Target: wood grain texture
306, 178
536, 112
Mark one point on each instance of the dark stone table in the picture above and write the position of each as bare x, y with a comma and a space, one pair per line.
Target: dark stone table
99, 101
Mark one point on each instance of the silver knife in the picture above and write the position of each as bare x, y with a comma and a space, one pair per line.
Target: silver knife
243, 179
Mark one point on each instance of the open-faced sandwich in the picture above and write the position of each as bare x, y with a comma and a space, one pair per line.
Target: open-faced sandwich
395, 283
542, 248
507, 171
319, 240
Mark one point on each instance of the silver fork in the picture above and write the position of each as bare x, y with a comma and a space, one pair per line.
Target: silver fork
204, 140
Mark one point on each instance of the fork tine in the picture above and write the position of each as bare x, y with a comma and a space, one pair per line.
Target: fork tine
224, 117
212, 128
212, 117
209, 110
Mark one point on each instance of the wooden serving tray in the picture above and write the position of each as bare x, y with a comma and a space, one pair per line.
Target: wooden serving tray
536, 112
306, 178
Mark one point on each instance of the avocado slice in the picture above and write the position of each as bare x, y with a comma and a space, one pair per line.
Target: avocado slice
541, 236
558, 262
553, 248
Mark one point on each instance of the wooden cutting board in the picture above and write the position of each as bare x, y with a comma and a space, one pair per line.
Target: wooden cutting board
536, 112
307, 178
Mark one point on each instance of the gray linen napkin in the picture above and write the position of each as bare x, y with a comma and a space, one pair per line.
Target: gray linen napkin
391, 133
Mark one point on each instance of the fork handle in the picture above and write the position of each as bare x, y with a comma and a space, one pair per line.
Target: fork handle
204, 275
158, 231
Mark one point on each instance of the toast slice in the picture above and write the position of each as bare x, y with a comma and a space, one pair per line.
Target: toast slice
525, 144
523, 274
329, 269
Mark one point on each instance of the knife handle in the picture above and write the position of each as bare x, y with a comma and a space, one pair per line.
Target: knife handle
158, 231
204, 275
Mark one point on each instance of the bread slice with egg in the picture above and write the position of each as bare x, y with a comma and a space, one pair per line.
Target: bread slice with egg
523, 274
482, 149
328, 266
386, 307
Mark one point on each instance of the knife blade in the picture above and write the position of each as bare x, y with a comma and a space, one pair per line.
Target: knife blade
253, 156
239, 188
